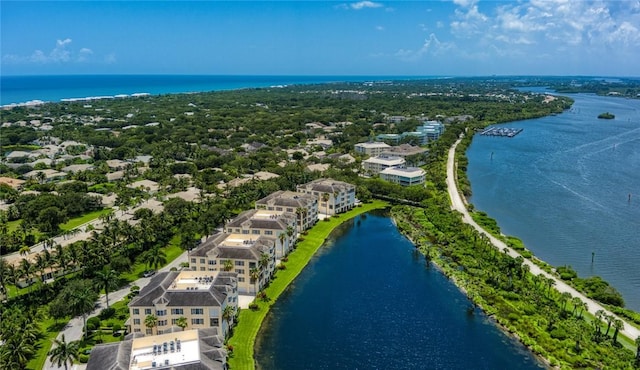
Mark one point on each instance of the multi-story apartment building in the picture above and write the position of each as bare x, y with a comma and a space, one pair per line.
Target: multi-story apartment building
404, 176
371, 149
240, 253
199, 296
374, 165
202, 349
305, 206
280, 226
404, 150
333, 196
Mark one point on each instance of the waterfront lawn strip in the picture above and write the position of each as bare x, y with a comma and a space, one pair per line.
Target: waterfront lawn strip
249, 321
527, 305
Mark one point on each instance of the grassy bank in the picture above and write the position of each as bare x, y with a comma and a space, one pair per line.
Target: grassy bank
249, 321
75, 222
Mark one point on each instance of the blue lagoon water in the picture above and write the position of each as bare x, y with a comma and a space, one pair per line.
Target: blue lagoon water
563, 187
367, 300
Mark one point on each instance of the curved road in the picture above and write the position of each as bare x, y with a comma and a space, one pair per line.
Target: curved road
458, 204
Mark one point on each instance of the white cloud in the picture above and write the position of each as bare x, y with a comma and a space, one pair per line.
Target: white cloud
365, 4
431, 46
61, 53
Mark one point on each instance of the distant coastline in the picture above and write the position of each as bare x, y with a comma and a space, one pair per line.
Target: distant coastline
20, 90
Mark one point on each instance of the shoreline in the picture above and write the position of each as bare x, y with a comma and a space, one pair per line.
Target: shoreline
542, 360
249, 321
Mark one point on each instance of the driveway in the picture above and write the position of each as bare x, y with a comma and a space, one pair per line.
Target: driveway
73, 330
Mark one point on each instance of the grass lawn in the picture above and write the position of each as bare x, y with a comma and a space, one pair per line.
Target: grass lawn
249, 322
13, 225
50, 329
172, 251
75, 222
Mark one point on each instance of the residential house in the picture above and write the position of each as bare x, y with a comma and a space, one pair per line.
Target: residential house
404, 176
371, 149
199, 296
374, 165
304, 206
333, 196
13, 183
281, 227
201, 349
240, 253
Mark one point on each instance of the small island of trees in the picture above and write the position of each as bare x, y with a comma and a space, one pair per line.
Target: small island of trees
606, 115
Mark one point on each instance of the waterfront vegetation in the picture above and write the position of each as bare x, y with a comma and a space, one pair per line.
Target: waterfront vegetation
250, 320
606, 115
208, 146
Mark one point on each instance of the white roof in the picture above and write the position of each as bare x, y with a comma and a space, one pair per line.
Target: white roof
373, 145
386, 160
407, 172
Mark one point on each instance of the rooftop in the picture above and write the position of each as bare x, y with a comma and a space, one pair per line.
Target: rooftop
166, 350
193, 280
409, 171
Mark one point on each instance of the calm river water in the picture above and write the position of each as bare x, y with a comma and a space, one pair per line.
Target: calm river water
563, 186
367, 300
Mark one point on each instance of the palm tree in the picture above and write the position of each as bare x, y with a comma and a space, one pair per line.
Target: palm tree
155, 257
228, 314
565, 297
609, 319
63, 352
7, 274
150, 321
325, 198
82, 301
617, 325
24, 250
254, 273
182, 322
26, 269
107, 279
227, 265
282, 237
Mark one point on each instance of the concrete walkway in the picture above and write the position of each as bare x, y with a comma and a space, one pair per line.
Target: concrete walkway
458, 204
73, 330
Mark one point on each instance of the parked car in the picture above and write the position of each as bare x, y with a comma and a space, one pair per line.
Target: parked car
149, 273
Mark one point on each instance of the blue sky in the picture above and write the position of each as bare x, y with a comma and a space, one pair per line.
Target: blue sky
413, 38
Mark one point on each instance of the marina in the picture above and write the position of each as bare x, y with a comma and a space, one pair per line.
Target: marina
501, 131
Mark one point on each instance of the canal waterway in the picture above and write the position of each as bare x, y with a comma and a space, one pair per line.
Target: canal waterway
569, 185
368, 300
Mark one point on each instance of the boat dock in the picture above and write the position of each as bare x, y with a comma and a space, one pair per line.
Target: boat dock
501, 131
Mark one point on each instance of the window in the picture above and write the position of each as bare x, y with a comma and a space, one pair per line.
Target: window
136, 321
252, 265
238, 230
197, 311
289, 209
245, 231
212, 262
278, 208
149, 331
240, 280
136, 311
197, 321
147, 311
255, 232
214, 321
160, 332
177, 311
202, 268
240, 271
162, 322
161, 312
239, 263
203, 261
268, 232
193, 261
174, 321
136, 330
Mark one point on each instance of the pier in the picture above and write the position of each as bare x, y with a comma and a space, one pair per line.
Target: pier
501, 131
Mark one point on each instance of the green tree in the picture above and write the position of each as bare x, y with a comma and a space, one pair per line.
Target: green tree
155, 257
64, 353
150, 321
227, 265
182, 322
254, 273
228, 314
107, 279
80, 298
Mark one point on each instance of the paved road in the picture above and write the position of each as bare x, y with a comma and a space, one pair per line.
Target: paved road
81, 232
458, 204
73, 330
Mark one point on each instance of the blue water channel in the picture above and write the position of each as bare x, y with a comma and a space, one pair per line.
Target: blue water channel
569, 185
368, 300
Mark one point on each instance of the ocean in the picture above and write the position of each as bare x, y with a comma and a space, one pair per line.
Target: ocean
569, 186
21, 89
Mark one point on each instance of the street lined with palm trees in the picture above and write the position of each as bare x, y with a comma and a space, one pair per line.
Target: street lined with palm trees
593, 307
